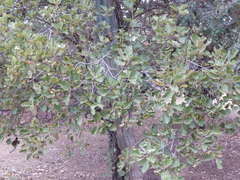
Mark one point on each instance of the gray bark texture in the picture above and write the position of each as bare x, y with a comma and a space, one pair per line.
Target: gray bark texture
126, 138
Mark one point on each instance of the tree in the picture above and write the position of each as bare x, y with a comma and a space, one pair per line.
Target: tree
58, 58
216, 19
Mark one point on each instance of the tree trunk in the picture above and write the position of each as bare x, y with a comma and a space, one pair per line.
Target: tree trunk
114, 151
125, 138
122, 137
119, 140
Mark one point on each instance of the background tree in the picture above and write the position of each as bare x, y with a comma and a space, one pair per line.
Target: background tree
58, 58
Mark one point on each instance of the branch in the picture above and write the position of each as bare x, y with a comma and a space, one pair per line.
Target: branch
153, 6
172, 145
150, 80
43, 20
94, 62
62, 34
36, 76
147, 10
197, 64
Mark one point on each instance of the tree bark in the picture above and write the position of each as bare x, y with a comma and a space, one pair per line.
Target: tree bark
119, 140
122, 137
126, 138
114, 151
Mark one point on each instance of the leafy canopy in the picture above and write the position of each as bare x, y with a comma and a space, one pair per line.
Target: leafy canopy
56, 59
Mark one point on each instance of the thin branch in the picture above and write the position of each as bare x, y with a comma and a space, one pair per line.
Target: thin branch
172, 145
150, 80
36, 76
147, 10
162, 148
197, 64
94, 62
43, 20
62, 34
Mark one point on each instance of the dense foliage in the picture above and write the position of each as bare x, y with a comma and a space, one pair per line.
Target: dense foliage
58, 60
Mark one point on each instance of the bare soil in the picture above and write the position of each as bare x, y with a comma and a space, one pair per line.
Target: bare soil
92, 164
56, 164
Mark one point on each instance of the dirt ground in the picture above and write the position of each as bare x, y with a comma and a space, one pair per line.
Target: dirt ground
55, 164
92, 164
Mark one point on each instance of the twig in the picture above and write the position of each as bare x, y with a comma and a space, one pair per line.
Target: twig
197, 64
172, 145
36, 76
150, 80
91, 63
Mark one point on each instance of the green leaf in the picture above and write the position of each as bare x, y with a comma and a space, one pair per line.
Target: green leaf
219, 163
169, 95
113, 127
66, 99
9, 141
225, 112
166, 175
176, 163
29, 156
24, 132
188, 120
200, 122
145, 57
75, 76
145, 166
43, 108
100, 78
28, 51
97, 116
79, 121
166, 119
1, 138
152, 159
65, 85
121, 173
40, 152
183, 131
208, 157
15, 110
111, 82
134, 76
183, 9
228, 125
213, 76
224, 88
9, 2
45, 130
67, 17
237, 88
57, 26
129, 51
167, 162
93, 111
190, 160
216, 132
99, 69
119, 62
233, 53
128, 3
23, 151
94, 130
75, 127
25, 104
74, 109
195, 38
